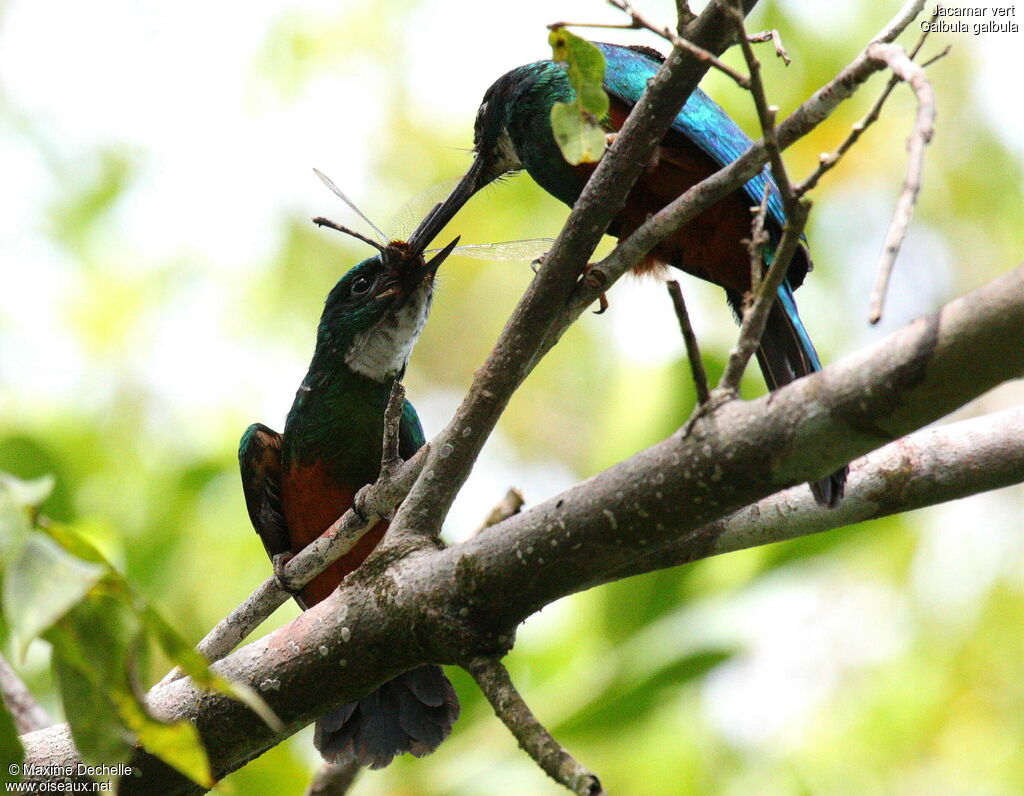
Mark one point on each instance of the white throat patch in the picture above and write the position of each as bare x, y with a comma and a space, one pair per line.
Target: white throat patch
383, 350
507, 158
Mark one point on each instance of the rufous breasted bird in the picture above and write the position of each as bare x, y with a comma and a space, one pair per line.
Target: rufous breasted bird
298, 483
513, 132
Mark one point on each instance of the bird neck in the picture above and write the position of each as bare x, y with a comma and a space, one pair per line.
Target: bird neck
337, 418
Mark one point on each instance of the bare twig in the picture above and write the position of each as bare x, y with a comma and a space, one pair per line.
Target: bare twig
756, 316
758, 239
707, 192
921, 135
774, 37
937, 57
700, 377
640, 21
510, 505
828, 161
492, 677
390, 461
28, 714
333, 779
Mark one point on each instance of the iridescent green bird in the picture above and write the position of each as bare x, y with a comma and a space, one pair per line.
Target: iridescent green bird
298, 483
513, 133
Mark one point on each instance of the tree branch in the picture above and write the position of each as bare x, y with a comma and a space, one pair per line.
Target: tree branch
518, 349
333, 779
28, 714
533, 738
453, 604
706, 193
924, 127
700, 377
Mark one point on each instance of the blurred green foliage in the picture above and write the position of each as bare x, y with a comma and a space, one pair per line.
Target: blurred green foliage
860, 661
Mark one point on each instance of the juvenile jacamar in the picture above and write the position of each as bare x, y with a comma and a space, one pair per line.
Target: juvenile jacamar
298, 483
513, 132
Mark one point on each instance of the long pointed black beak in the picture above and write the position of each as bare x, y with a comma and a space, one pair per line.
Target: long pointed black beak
435, 261
436, 219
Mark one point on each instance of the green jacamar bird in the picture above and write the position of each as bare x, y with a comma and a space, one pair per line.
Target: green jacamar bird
298, 483
513, 132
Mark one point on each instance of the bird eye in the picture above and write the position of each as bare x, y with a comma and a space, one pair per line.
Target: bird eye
361, 285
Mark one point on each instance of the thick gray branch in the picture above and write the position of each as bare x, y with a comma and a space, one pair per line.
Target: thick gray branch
454, 604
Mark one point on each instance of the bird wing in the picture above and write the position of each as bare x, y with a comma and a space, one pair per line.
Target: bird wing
410, 432
259, 459
701, 120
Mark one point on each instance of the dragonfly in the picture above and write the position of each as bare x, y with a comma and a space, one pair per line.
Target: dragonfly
405, 221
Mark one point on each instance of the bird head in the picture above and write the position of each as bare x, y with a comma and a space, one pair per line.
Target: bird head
376, 311
494, 152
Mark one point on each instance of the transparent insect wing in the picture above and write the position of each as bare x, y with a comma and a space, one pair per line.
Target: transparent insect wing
508, 251
409, 215
338, 192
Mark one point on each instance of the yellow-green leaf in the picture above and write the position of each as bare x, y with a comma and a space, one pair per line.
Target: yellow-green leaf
42, 585
580, 139
176, 743
577, 125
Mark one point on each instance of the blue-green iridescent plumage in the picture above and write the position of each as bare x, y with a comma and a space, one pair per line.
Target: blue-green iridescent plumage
513, 132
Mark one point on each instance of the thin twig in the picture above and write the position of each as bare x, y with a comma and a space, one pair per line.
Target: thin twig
758, 239
920, 136
28, 714
390, 461
640, 21
697, 199
333, 779
828, 161
509, 506
700, 377
493, 678
756, 316
774, 37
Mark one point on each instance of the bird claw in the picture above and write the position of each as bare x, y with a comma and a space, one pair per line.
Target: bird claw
594, 278
279, 562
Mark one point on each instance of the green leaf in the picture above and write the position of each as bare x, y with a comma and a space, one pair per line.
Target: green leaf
100, 735
176, 743
580, 140
27, 494
17, 500
11, 752
192, 663
42, 585
97, 649
576, 125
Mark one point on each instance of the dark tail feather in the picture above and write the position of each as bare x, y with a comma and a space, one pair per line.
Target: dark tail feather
412, 713
786, 353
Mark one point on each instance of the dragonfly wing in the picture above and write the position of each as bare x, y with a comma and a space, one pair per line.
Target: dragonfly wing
338, 192
415, 210
509, 250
